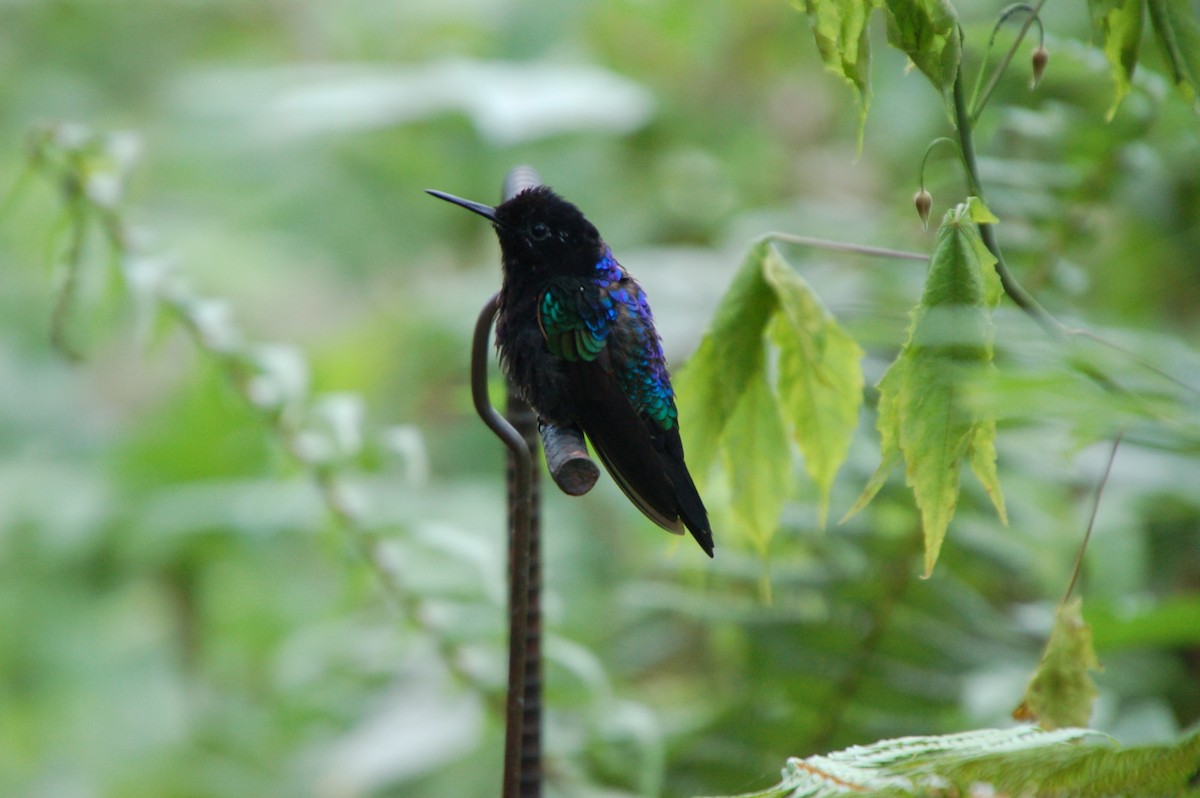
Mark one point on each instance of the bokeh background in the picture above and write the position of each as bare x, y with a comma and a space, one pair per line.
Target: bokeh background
181, 614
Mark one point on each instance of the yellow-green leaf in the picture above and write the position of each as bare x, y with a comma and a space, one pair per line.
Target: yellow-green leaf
839, 28
731, 412
1177, 31
934, 435
982, 454
887, 422
730, 355
820, 376
927, 30
979, 212
1117, 24
1061, 693
925, 416
759, 463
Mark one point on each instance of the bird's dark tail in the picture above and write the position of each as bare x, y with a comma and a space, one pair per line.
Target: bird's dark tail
645, 460
653, 475
691, 507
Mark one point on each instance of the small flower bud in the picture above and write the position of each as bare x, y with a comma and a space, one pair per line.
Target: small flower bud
1040, 59
923, 202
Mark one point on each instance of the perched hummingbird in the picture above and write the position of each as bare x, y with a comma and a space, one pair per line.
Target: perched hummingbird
577, 338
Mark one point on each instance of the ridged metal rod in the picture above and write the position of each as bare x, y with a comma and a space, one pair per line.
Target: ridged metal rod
520, 477
522, 417
575, 474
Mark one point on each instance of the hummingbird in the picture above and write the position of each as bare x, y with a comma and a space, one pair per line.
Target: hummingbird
577, 338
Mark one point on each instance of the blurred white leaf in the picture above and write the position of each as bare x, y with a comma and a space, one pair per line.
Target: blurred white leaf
68, 503
313, 447
580, 662
104, 187
248, 506
282, 378
349, 498
407, 441
213, 320
146, 274
508, 102
124, 148
150, 278
424, 723
466, 548
343, 414
71, 135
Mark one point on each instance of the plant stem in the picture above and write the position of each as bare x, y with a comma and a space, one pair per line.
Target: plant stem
994, 80
1087, 536
928, 150
842, 246
1023, 299
987, 232
77, 211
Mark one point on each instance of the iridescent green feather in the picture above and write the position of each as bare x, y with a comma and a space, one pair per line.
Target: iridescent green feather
577, 327
570, 334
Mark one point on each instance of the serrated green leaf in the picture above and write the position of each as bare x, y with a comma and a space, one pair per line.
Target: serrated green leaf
1025, 761
934, 436
730, 356
727, 406
887, 423
1117, 24
925, 413
839, 28
1062, 693
820, 376
759, 463
981, 453
979, 212
927, 30
1177, 31
961, 265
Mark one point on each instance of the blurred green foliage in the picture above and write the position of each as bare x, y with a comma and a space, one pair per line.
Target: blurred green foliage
181, 614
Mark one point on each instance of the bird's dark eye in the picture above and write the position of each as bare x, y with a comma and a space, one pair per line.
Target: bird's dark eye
539, 232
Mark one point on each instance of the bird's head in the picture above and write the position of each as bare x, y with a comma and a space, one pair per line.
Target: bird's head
540, 231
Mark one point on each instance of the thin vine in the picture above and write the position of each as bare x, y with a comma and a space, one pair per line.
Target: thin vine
67, 160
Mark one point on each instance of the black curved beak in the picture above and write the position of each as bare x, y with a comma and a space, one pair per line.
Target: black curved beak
486, 211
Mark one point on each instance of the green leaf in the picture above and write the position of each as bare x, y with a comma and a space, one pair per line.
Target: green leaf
1117, 24
727, 405
820, 376
1173, 621
1177, 31
925, 414
1061, 693
759, 463
887, 423
982, 456
980, 213
1025, 761
927, 30
729, 357
839, 28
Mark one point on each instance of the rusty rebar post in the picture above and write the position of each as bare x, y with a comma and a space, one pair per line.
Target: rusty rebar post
520, 478
524, 421
522, 417
575, 473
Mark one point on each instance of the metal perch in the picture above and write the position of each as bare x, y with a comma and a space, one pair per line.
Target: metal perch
574, 473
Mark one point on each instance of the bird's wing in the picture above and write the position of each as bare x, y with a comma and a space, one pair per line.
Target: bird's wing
630, 423
576, 326
577, 323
